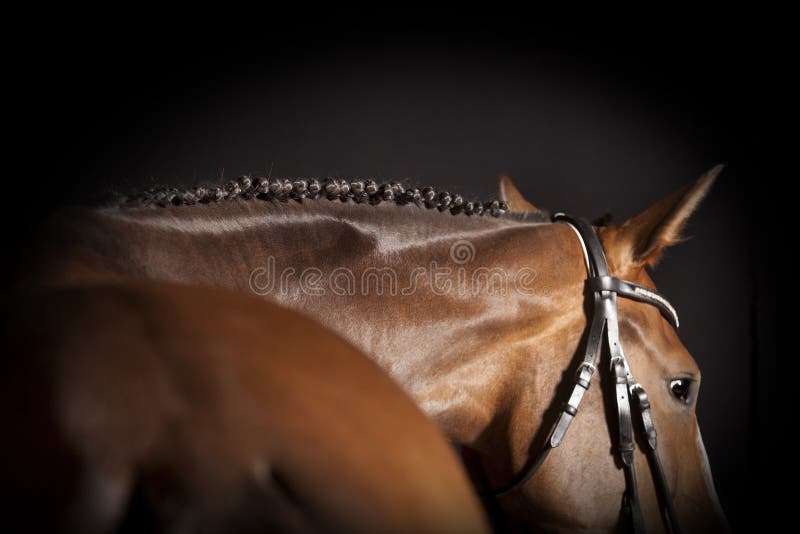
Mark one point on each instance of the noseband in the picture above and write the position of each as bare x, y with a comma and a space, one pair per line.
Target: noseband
605, 325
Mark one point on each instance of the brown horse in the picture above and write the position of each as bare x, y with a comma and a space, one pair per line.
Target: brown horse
477, 317
149, 407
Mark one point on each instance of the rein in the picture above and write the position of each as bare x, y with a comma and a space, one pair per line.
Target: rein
605, 326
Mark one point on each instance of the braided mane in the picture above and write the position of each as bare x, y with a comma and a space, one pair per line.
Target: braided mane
285, 190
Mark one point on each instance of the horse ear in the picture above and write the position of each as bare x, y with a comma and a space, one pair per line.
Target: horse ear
516, 202
641, 240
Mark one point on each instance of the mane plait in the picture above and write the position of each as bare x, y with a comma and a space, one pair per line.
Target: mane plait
284, 190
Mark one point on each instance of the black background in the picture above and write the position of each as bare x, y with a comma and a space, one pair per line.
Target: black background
586, 121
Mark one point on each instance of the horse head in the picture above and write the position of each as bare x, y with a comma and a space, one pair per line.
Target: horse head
580, 484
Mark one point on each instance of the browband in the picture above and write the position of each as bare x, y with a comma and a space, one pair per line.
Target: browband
637, 292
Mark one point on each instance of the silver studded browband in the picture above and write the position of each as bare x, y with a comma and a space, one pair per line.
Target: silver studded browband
626, 289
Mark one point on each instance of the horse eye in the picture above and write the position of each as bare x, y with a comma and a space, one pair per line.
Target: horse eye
680, 388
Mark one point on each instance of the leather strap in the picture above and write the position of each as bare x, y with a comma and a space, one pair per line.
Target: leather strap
636, 292
662, 489
583, 379
606, 289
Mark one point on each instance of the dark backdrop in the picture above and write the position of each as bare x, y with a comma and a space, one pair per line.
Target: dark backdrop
584, 123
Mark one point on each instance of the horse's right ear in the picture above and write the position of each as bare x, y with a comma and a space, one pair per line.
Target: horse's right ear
508, 192
641, 240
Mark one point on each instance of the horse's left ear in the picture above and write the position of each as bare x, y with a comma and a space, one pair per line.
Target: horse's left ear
641, 240
506, 190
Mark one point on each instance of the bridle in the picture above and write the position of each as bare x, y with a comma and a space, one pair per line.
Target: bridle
605, 326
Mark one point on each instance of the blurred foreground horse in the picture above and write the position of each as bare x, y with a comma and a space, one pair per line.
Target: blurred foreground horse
147, 407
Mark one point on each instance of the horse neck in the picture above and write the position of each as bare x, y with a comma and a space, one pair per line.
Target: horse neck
455, 342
